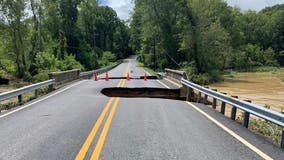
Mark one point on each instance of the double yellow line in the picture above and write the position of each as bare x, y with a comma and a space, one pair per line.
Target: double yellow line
96, 153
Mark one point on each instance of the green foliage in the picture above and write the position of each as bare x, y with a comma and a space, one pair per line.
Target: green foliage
46, 61
69, 63
108, 58
266, 128
233, 74
209, 36
266, 69
40, 77
38, 37
7, 66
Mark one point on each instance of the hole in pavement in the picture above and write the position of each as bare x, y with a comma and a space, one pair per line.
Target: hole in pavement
141, 77
143, 93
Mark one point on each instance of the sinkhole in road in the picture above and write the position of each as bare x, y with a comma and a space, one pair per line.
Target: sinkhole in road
143, 93
135, 78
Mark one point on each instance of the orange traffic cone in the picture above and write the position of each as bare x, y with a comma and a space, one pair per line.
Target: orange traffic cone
95, 76
145, 77
107, 76
128, 77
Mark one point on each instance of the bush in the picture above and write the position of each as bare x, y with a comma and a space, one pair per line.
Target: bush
42, 76
108, 58
45, 61
233, 74
202, 79
7, 66
69, 63
27, 76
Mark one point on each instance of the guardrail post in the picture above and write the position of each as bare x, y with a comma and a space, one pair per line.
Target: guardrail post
234, 110
199, 97
206, 97
282, 139
50, 88
223, 106
214, 103
36, 93
20, 99
246, 117
189, 95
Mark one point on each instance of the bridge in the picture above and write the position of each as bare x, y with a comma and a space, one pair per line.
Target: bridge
116, 119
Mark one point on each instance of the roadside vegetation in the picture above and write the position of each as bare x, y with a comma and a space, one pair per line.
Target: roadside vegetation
207, 38
266, 128
147, 69
42, 36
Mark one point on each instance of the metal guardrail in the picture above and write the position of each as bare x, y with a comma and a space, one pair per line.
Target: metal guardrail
89, 74
20, 91
55, 78
259, 111
249, 108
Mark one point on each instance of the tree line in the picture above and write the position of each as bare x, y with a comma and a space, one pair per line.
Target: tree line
40, 36
206, 37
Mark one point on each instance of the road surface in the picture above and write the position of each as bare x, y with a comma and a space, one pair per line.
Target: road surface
78, 122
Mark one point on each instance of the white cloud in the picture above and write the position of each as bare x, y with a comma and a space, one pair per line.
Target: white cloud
122, 7
256, 5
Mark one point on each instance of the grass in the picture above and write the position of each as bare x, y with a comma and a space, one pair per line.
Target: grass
282, 79
266, 128
147, 69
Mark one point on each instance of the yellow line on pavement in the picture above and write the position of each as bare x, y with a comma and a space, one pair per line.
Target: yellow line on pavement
86, 145
100, 143
99, 146
84, 149
91, 136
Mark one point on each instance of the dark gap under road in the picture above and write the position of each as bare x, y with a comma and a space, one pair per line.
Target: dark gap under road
137, 78
143, 93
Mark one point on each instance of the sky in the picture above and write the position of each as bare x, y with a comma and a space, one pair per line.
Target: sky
124, 7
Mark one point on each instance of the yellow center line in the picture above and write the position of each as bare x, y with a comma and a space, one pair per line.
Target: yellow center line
84, 149
100, 143
86, 145
103, 135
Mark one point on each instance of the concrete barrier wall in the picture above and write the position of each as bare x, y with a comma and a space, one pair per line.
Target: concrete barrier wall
175, 75
65, 76
72, 75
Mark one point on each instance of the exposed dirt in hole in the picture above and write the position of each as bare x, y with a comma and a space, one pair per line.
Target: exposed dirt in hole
143, 93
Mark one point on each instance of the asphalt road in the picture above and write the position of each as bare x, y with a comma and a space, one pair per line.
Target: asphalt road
66, 126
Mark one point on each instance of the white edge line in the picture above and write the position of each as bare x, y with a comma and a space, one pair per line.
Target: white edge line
28, 105
156, 80
147, 73
163, 84
232, 133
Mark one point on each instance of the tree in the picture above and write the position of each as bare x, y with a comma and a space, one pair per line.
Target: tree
13, 13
